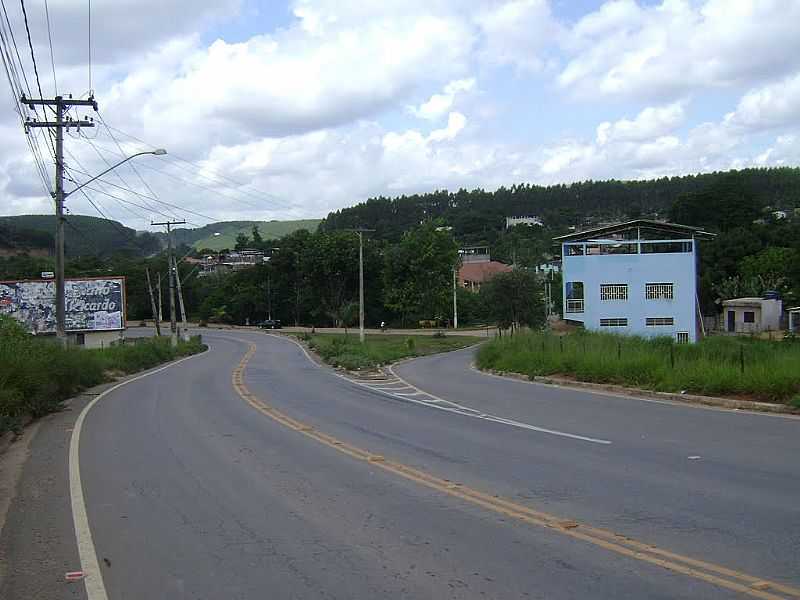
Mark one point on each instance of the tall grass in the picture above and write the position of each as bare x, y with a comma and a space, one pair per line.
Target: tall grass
711, 367
348, 352
37, 375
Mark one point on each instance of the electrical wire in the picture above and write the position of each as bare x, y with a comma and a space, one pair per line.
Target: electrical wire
257, 194
50, 40
119, 147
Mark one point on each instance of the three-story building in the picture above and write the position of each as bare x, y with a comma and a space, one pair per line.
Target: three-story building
637, 278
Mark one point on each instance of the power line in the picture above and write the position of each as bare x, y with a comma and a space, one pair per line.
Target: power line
50, 39
258, 194
30, 45
90, 47
175, 206
217, 191
132, 166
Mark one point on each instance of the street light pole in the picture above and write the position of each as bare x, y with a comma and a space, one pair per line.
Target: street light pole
361, 231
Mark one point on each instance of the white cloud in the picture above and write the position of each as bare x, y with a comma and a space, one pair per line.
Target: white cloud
679, 46
517, 33
770, 106
650, 122
438, 104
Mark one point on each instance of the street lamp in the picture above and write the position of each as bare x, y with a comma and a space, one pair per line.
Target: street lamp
60, 196
157, 152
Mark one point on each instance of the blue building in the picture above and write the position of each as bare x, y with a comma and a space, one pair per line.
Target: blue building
637, 278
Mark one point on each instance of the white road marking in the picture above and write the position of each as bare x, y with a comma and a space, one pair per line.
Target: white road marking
447, 405
93, 577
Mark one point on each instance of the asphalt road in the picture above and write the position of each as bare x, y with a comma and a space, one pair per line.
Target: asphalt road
194, 491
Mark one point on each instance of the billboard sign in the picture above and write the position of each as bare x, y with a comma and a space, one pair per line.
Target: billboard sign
91, 304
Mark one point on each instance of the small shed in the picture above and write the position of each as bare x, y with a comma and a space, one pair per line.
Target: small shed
751, 315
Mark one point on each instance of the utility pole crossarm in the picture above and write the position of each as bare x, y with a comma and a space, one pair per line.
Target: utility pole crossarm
31, 102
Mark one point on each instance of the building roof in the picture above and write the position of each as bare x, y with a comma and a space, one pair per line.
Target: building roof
649, 224
479, 272
744, 301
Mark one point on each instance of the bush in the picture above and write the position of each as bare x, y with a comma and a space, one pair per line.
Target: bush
37, 374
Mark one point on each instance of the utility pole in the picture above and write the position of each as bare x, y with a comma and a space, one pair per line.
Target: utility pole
180, 298
173, 328
61, 105
361, 231
153, 303
455, 300
160, 303
269, 294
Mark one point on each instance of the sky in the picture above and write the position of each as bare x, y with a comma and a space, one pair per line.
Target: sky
285, 110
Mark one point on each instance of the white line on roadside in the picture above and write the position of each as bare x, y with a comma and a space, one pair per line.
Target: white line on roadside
447, 405
95, 588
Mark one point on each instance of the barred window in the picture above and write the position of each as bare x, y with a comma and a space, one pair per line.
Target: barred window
613, 322
659, 321
613, 291
682, 337
659, 291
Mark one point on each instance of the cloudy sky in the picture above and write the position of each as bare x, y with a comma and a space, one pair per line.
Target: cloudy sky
274, 110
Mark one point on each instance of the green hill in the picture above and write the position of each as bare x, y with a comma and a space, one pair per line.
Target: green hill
218, 236
85, 236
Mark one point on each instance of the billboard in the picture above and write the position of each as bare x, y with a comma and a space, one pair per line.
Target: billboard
91, 304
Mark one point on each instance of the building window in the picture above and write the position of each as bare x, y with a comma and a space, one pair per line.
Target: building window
682, 337
613, 291
613, 322
80, 339
659, 321
574, 301
659, 291
574, 250
749, 316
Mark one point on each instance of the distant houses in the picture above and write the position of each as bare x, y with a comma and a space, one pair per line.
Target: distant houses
218, 264
751, 315
477, 267
638, 277
528, 220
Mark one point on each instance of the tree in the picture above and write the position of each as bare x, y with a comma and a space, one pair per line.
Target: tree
258, 241
514, 299
418, 273
242, 242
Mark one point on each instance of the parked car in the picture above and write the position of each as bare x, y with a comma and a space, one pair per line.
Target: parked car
270, 324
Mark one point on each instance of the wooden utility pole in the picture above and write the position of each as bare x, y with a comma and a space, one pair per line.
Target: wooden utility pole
173, 327
160, 303
180, 297
61, 106
156, 314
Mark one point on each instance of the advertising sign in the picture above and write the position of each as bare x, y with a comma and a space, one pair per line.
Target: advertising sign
91, 304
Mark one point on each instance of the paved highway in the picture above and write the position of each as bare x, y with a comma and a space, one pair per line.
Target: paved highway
251, 472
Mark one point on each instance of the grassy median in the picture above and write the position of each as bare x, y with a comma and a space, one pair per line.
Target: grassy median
717, 366
348, 352
37, 374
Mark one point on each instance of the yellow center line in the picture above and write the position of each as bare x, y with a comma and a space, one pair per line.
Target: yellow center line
620, 544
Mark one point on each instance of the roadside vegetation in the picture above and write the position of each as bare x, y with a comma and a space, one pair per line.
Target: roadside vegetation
348, 352
717, 366
37, 374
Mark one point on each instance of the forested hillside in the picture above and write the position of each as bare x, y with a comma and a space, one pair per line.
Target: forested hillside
217, 236
14, 238
479, 216
87, 236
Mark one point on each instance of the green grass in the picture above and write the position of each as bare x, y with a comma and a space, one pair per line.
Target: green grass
205, 238
711, 367
347, 352
37, 375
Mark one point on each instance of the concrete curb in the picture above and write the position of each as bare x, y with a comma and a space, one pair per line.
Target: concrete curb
729, 403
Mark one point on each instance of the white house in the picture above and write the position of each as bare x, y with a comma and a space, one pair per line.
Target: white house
531, 220
751, 315
637, 278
